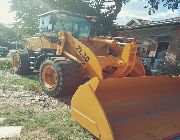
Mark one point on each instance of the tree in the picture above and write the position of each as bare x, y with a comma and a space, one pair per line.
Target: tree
7, 35
27, 11
153, 5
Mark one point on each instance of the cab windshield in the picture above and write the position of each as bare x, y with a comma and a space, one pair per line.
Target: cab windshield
78, 26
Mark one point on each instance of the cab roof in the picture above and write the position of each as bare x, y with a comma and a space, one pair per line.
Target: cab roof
67, 13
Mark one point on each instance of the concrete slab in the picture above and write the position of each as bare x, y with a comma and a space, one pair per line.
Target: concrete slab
10, 131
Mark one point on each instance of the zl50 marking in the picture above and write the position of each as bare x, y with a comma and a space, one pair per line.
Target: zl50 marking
82, 54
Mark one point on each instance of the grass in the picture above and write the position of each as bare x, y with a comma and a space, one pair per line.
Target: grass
27, 83
5, 64
59, 124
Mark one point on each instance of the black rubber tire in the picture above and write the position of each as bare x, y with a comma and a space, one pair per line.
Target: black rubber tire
24, 64
69, 76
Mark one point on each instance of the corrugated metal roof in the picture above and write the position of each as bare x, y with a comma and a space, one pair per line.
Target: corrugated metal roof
148, 23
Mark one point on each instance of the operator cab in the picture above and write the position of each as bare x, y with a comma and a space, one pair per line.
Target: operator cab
55, 21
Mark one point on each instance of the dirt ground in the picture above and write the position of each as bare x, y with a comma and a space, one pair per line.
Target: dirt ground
14, 98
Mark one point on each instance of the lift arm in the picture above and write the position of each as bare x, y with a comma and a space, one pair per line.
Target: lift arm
96, 64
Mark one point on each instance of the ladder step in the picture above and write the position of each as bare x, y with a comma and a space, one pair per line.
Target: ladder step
32, 63
32, 57
36, 71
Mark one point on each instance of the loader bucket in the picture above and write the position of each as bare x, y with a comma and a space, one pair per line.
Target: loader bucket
130, 108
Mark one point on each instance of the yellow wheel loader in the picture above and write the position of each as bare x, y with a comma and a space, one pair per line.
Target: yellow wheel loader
118, 102
113, 98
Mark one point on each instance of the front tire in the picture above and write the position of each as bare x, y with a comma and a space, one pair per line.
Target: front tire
60, 76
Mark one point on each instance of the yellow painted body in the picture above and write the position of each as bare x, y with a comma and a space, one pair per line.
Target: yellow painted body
129, 108
88, 111
37, 43
124, 63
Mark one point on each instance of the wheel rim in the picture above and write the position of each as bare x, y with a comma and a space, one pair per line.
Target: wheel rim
49, 77
16, 62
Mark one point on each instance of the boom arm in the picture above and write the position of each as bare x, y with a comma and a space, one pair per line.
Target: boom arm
85, 55
96, 65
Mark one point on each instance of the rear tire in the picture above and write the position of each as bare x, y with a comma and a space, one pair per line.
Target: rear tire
21, 64
60, 76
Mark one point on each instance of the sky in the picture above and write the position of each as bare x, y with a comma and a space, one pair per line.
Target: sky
133, 9
5, 16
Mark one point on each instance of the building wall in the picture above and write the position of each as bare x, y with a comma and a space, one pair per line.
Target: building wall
149, 32
157, 34
175, 46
